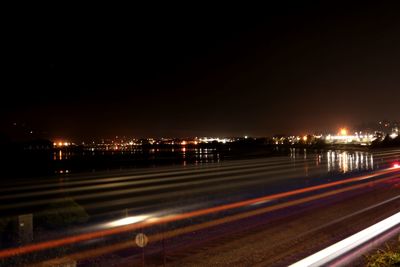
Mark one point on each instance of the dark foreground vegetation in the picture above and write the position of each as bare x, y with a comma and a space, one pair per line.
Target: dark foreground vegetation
389, 256
386, 142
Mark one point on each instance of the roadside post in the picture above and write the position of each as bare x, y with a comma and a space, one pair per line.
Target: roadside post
141, 241
164, 253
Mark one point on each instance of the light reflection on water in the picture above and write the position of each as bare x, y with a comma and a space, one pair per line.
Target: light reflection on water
338, 161
329, 161
62, 155
187, 156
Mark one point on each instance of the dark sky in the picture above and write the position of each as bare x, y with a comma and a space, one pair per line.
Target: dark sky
202, 70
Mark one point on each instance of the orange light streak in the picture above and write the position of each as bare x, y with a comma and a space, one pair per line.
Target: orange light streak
167, 219
193, 228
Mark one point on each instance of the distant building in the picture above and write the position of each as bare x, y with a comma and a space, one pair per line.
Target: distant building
358, 138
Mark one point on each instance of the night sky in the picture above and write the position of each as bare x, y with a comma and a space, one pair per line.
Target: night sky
202, 71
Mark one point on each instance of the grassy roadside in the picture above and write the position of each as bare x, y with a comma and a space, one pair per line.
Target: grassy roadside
389, 256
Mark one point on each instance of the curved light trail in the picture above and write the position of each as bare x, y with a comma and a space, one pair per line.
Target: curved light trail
325, 256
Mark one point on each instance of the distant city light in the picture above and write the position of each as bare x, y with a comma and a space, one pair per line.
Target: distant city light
61, 144
217, 139
343, 136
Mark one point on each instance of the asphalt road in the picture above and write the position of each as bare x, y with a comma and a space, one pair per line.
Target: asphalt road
267, 211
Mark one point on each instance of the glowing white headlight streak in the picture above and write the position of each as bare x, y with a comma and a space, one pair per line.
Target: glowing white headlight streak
336, 250
128, 220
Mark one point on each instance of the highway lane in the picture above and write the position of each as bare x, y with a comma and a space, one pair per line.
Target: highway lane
258, 215
284, 240
272, 174
166, 191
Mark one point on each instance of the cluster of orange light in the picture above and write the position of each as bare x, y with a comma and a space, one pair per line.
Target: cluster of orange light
184, 143
61, 144
343, 131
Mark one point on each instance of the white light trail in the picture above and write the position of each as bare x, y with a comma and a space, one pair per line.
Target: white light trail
128, 220
330, 253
